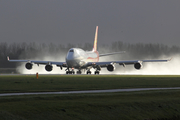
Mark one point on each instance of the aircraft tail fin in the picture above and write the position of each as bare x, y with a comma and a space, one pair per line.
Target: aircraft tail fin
95, 39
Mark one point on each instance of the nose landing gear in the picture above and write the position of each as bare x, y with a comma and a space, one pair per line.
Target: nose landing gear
70, 72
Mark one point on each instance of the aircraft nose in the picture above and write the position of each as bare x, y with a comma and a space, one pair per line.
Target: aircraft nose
70, 56
71, 59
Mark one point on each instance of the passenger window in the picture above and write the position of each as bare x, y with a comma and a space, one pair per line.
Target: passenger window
71, 51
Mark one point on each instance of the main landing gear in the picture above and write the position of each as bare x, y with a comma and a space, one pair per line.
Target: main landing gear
79, 72
88, 72
96, 72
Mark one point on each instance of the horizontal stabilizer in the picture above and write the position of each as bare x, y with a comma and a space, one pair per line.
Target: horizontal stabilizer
107, 54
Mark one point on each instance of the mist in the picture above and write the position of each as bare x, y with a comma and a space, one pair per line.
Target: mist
45, 56
161, 68
151, 68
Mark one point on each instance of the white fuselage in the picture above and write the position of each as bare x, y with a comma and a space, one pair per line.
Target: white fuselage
77, 58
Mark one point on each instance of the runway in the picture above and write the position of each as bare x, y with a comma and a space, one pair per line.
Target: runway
88, 91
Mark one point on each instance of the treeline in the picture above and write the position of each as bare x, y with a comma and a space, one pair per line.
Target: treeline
34, 50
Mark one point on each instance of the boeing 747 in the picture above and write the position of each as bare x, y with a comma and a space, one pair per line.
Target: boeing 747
85, 60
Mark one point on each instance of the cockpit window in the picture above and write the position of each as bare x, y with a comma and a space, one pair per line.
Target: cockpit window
71, 51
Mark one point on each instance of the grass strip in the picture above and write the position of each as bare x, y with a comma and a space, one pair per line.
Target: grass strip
146, 105
29, 83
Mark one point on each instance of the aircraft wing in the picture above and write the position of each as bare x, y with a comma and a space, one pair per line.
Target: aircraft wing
63, 64
129, 62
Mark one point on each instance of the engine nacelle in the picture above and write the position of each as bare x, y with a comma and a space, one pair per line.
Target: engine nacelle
110, 68
138, 66
29, 66
48, 68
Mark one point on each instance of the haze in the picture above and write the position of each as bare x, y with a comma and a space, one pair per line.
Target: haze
164, 68
74, 21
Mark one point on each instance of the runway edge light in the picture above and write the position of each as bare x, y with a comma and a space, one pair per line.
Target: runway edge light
37, 75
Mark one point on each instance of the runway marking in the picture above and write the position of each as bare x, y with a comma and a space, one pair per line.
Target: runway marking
89, 91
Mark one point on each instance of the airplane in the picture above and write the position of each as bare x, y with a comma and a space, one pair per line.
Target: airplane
85, 60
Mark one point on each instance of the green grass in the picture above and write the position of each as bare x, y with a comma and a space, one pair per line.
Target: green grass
144, 105
157, 105
29, 83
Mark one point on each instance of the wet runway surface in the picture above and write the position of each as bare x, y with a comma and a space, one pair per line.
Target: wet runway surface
89, 91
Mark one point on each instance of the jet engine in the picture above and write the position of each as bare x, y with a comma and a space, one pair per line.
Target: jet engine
28, 66
138, 65
48, 68
110, 67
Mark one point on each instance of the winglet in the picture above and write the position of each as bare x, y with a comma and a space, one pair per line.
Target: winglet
170, 59
8, 58
95, 39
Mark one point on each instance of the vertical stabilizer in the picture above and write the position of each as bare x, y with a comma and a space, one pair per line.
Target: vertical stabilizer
95, 39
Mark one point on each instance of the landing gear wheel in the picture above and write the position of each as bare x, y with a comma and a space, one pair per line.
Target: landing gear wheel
88, 72
70, 72
96, 72
79, 72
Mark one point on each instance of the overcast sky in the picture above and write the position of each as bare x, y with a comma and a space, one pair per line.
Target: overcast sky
74, 21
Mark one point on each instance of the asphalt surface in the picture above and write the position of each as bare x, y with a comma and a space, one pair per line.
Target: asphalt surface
89, 91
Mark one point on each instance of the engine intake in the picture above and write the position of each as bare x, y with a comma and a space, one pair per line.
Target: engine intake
29, 66
48, 68
110, 68
138, 66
